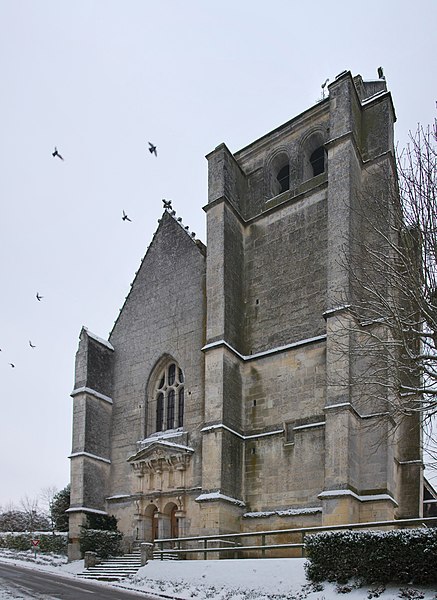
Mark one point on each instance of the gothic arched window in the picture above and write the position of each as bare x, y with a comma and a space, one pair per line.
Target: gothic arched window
168, 398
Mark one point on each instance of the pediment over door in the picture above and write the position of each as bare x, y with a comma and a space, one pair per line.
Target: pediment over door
159, 456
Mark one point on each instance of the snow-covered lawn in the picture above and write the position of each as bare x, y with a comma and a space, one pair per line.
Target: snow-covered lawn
262, 579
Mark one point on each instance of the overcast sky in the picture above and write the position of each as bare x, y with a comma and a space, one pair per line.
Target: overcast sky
99, 79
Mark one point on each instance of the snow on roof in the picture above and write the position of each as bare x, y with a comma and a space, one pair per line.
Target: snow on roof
367, 498
159, 442
309, 425
210, 428
336, 309
375, 95
91, 392
85, 509
161, 435
173, 445
94, 456
247, 357
290, 512
119, 497
97, 338
211, 496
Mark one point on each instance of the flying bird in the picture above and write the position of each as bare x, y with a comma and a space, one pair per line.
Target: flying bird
38, 297
12, 365
31, 345
56, 153
152, 149
125, 217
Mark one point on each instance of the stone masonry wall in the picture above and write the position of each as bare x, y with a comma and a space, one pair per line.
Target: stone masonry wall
284, 391
286, 274
163, 314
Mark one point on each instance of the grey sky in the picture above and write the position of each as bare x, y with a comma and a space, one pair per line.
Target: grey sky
99, 79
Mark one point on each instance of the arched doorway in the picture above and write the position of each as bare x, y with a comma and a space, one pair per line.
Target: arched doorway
174, 523
155, 523
169, 521
151, 523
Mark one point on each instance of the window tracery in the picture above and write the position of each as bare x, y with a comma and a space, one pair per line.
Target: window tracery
169, 398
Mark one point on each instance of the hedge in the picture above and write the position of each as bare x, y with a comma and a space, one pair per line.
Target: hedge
404, 556
104, 543
48, 542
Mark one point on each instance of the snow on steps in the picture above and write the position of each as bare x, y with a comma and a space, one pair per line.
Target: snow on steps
114, 569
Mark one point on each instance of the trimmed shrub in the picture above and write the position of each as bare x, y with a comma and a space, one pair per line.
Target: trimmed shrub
373, 557
105, 522
57, 544
104, 543
53, 543
16, 542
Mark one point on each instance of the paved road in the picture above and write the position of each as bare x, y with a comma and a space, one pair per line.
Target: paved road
21, 583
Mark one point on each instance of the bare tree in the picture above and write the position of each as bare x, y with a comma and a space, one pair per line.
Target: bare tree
392, 298
34, 517
30, 508
47, 496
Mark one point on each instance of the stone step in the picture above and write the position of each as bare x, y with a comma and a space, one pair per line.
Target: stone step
118, 567
114, 569
111, 572
124, 561
101, 577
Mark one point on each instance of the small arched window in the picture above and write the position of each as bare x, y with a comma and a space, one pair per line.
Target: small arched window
283, 178
277, 171
314, 159
317, 160
169, 398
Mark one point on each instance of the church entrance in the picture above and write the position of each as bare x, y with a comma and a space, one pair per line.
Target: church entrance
155, 524
150, 522
174, 524
158, 524
168, 521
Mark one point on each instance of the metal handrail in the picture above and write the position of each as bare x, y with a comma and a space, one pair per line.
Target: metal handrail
225, 549
421, 522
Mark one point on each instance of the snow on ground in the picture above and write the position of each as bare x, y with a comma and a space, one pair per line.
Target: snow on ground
245, 579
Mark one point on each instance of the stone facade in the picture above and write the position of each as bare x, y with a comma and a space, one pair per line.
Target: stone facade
211, 408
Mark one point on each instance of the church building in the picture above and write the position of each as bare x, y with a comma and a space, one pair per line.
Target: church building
222, 404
